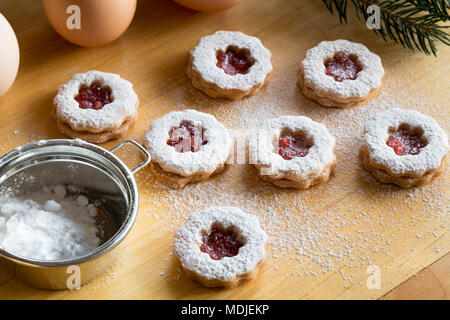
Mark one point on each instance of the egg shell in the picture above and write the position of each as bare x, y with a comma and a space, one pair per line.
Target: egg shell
207, 5
9, 55
101, 21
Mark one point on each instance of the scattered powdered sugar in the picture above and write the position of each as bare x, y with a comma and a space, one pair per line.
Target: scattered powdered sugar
48, 225
349, 223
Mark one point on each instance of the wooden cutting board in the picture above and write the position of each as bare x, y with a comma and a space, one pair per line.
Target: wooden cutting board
323, 239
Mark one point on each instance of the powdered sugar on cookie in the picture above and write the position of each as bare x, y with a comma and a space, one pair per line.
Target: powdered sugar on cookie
110, 117
204, 60
321, 153
315, 77
209, 156
429, 158
188, 239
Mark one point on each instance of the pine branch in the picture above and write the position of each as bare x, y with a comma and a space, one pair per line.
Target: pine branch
415, 24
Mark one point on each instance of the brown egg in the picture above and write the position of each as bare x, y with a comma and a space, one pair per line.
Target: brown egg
90, 23
207, 5
9, 55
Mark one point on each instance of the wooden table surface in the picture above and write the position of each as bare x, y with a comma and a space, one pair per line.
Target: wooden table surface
352, 222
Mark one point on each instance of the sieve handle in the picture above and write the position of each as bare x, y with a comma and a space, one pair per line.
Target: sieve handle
141, 148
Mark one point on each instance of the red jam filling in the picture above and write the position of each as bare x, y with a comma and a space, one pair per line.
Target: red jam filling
93, 97
342, 67
221, 243
186, 138
290, 147
404, 142
233, 63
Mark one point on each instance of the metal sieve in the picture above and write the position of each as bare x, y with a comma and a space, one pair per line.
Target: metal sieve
100, 175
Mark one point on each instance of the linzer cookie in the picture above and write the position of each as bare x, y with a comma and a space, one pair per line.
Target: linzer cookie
221, 246
229, 64
187, 146
95, 106
293, 152
340, 74
404, 147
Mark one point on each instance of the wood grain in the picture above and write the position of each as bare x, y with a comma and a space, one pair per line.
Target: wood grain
153, 55
432, 283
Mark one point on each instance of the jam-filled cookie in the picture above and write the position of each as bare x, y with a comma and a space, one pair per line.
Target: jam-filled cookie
293, 152
187, 146
221, 246
404, 147
229, 64
340, 74
95, 106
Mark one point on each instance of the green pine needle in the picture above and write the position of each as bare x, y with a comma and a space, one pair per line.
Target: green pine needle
415, 24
